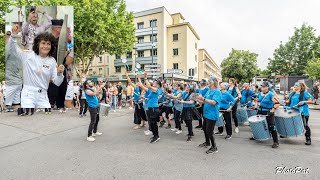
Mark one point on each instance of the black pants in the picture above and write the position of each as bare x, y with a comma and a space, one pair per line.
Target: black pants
104, 97
52, 94
177, 116
61, 95
47, 109
168, 111
187, 115
200, 109
83, 107
149, 123
208, 127
139, 113
227, 119
94, 116
234, 114
306, 126
271, 125
57, 94
154, 118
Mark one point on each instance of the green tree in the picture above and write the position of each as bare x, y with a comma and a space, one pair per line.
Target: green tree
241, 65
292, 57
313, 69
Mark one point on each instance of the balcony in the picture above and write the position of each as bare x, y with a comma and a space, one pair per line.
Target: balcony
118, 62
147, 60
146, 46
146, 31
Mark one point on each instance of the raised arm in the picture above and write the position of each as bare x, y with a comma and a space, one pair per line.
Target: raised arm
57, 75
129, 81
141, 85
14, 49
153, 89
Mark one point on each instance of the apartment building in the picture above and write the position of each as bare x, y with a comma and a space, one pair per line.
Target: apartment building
207, 66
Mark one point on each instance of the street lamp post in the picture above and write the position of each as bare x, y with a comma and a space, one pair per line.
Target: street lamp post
135, 61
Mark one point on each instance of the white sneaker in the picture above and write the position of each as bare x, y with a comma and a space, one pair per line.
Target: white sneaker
120, 107
130, 108
91, 139
246, 123
179, 132
47, 113
114, 110
38, 110
174, 129
97, 133
60, 110
149, 133
236, 130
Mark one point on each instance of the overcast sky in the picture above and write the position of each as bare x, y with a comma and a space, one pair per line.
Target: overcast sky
255, 25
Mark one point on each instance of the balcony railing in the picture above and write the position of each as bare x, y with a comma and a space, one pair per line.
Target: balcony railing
146, 31
118, 62
147, 60
146, 45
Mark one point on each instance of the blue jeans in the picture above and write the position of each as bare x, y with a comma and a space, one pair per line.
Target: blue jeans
114, 102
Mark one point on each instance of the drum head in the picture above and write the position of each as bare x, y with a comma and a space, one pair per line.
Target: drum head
256, 118
286, 113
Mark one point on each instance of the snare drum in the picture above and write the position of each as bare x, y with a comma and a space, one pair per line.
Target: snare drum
259, 128
104, 109
289, 122
242, 114
220, 122
251, 112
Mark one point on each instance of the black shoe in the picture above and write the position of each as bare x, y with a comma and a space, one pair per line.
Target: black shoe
189, 138
218, 133
155, 139
275, 145
161, 124
252, 138
169, 126
282, 136
212, 150
181, 122
198, 127
308, 142
204, 145
228, 137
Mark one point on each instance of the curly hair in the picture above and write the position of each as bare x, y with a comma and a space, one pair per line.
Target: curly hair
45, 37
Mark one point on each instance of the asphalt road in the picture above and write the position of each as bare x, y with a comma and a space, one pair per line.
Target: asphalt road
55, 147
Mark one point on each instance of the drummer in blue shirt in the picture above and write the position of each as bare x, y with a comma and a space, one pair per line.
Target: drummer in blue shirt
300, 99
161, 101
246, 96
177, 108
203, 89
267, 103
187, 112
211, 102
227, 102
235, 92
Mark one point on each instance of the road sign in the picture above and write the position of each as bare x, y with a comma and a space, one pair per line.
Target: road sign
152, 66
174, 71
152, 70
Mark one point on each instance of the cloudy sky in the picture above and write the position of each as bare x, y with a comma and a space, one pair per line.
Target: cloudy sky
255, 25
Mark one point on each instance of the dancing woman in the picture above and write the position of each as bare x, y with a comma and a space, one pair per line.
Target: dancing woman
153, 106
235, 92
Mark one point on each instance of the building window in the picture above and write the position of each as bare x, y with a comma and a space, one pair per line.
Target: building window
108, 59
195, 70
108, 70
100, 59
142, 66
118, 69
153, 23
175, 37
129, 55
118, 57
196, 58
100, 71
155, 52
90, 71
196, 45
140, 40
175, 52
129, 68
191, 72
154, 39
140, 53
175, 66
140, 25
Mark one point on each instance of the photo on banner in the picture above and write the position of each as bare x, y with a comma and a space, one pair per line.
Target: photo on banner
32, 21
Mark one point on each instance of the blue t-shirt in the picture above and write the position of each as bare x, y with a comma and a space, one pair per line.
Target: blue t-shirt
145, 104
92, 101
163, 98
266, 101
169, 104
295, 99
177, 105
235, 92
174, 91
244, 99
202, 91
153, 98
136, 93
188, 99
227, 100
211, 112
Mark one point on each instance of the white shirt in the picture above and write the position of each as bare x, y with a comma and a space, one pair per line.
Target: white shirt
37, 71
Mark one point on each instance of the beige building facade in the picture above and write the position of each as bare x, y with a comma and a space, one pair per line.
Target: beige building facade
163, 40
207, 66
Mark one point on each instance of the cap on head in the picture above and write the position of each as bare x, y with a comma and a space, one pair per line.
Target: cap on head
225, 85
265, 84
212, 79
57, 22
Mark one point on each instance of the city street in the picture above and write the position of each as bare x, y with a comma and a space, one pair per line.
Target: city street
55, 147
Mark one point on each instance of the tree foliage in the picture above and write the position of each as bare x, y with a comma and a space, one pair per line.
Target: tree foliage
292, 57
241, 65
313, 69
